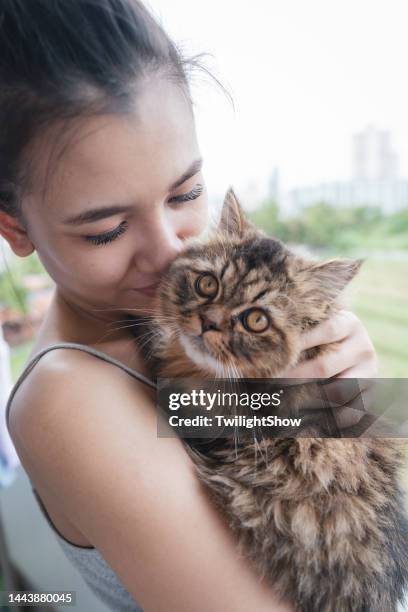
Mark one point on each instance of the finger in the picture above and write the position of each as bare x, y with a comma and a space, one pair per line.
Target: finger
328, 364
347, 417
341, 359
363, 405
339, 391
369, 391
366, 370
343, 416
306, 369
335, 329
337, 398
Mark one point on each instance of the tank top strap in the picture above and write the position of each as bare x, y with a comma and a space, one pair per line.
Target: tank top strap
79, 347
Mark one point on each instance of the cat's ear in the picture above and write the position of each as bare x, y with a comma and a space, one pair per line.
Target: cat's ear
323, 282
233, 220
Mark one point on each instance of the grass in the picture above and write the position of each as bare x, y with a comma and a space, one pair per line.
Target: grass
379, 296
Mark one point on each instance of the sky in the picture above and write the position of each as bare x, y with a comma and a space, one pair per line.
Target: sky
304, 76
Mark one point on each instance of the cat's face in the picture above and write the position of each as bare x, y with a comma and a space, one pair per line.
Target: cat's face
239, 302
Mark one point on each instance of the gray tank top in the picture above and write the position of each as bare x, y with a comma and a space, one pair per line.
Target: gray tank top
88, 560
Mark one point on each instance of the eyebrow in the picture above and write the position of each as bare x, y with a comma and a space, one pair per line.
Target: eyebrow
191, 171
96, 214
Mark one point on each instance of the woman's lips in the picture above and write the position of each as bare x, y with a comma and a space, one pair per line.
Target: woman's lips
150, 290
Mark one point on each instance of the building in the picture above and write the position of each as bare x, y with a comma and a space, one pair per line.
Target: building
373, 157
374, 178
389, 195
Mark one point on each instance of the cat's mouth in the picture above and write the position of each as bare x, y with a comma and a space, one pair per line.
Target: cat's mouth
198, 341
202, 345
199, 344
198, 351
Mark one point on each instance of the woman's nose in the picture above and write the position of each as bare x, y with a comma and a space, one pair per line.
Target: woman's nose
159, 246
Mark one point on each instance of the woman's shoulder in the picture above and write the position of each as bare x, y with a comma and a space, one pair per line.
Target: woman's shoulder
70, 399
64, 392
70, 385
54, 362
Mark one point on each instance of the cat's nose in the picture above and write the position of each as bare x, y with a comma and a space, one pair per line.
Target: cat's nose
208, 324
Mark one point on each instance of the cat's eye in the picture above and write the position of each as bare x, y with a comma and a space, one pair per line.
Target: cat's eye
255, 320
206, 285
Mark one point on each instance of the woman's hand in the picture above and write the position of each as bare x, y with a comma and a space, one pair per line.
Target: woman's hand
352, 356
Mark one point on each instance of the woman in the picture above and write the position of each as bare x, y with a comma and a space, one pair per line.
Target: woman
100, 173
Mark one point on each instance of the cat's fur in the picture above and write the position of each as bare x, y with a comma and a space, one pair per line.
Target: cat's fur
323, 519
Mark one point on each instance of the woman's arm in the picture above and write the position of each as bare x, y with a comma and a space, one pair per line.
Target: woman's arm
90, 436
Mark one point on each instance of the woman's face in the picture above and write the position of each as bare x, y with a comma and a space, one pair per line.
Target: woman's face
125, 194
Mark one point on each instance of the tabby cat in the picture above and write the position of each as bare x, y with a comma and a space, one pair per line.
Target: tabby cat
321, 518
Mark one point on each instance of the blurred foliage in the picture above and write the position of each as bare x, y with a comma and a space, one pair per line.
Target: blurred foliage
19, 356
322, 225
12, 291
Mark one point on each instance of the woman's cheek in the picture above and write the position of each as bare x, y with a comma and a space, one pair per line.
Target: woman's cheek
105, 269
197, 219
111, 273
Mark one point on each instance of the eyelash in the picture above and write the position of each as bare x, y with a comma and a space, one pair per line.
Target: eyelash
118, 231
187, 197
109, 236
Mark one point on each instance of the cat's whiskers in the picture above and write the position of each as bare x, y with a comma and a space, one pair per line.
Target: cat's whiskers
261, 446
142, 339
125, 309
148, 319
150, 333
116, 329
235, 388
236, 370
231, 376
124, 325
157, 333
129, 324
115, 326
150, 337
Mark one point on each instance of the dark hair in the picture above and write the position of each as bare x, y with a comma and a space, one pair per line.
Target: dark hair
64, 59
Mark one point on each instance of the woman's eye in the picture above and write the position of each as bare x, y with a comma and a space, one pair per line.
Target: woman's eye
255, 320
191, 195
107, 236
